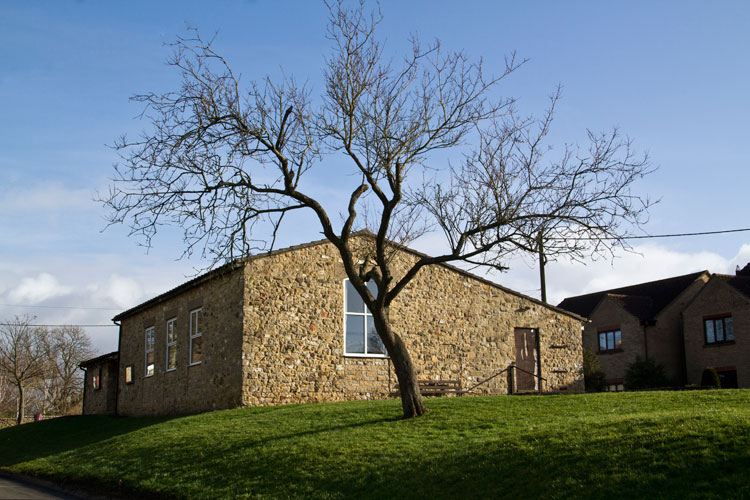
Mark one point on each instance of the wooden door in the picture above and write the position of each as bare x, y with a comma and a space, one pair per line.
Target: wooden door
527, 359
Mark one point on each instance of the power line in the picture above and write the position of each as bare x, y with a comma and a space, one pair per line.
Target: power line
63, 307
649, 236
59, 326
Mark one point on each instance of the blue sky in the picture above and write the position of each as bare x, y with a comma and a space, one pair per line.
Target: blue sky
672, 75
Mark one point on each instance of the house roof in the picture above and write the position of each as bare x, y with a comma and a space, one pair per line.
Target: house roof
740, 282
644, 300
104, 357
227, 268
639, 306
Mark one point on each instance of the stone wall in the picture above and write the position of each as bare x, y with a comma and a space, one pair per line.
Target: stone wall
213, 383
455, 326
101, 400
717, 298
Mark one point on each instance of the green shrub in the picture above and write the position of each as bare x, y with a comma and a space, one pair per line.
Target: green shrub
593, 375
710, 378
645, 374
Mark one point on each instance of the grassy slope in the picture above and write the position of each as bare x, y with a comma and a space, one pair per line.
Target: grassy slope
626, 445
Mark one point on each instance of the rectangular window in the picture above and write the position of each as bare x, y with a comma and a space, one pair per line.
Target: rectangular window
96, 380
610, 340
129, 374
196, 338
360, 335
149, 351
171, 345
718, 330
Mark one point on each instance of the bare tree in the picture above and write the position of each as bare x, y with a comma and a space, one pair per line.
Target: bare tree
6, 395
24, 357
228, 164
62, 389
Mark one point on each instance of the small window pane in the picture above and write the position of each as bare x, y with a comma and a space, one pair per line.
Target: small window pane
128, 374
170, 332
610, 340
171, 357
618, 339
355, 334
149, 363
373, 288
602, 341
354, 302
728, 328
374, 344
710, 331
196, 349
719, 329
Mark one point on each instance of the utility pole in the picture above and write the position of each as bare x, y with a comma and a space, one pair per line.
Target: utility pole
542, 263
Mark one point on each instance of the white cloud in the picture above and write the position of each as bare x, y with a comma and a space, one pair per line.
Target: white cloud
123, 292
37, 289
566, 278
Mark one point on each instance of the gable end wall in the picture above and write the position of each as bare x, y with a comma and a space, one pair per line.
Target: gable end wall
455, 327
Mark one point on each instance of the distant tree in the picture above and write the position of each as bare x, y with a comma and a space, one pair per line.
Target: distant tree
593, 375
227, 165
645, 374
62, 388
24, 357
6, 395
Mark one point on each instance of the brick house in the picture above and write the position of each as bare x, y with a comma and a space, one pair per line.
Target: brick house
285, 327
717, 332
642, 320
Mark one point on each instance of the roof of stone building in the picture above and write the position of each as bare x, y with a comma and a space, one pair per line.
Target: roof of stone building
104, 357
644, 300
739, 282
236, 264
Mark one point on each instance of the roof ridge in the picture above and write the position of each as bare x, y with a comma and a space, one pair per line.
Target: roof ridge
230, 266
620, 288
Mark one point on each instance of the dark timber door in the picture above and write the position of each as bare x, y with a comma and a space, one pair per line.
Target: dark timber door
527, 359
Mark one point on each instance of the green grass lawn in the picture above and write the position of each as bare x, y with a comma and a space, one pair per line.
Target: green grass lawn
625, 445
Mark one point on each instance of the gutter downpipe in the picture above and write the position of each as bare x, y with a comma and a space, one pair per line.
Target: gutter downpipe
119, 344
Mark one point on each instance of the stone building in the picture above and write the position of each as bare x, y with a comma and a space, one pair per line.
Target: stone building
643, 320
285, 327
99, 381
717, 330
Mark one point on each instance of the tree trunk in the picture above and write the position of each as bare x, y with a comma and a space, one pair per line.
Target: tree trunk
21, 404
411, 398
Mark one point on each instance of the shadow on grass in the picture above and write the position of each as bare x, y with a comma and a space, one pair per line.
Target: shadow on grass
49, 437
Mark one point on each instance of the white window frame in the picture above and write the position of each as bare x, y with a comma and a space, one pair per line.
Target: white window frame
171, 345
149, 349
364, 314
195, 334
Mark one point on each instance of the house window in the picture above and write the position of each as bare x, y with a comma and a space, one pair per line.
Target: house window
718, 330
96, 380
196, 338
171, 346
360, 336
129, 374
149, 351
610, 340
